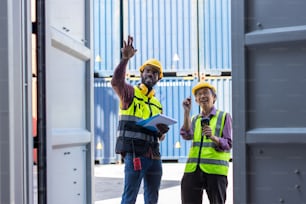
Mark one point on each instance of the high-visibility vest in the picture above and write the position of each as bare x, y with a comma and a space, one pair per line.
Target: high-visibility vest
203, 150
142, 107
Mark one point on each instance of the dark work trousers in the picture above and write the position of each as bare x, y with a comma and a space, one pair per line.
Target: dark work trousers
193, 184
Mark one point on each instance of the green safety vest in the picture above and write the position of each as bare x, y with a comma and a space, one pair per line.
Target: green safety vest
210, 161
128, 134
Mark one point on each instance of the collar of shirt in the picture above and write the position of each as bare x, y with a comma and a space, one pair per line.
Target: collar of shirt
212, 112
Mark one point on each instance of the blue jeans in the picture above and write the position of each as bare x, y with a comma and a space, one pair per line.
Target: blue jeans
151, 174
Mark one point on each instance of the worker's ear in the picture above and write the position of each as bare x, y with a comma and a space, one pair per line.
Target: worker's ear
215, 98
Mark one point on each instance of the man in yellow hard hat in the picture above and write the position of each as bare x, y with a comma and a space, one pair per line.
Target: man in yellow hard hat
208, 159
138, 145
155, 64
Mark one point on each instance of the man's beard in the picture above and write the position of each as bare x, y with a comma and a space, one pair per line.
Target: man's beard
149, 82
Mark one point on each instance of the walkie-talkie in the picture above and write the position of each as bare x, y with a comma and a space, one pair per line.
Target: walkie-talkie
204, 121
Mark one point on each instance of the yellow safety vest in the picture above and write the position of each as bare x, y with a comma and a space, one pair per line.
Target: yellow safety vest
210, 160
132, 136
142, 106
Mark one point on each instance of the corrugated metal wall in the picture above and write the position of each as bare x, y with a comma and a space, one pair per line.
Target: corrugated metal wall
186, 36
224, 92
214, 36
171, 91
106, 36
190, 38
166, 30
106, 121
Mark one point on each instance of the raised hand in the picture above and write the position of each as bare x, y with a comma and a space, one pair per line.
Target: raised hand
187, 104
128, 50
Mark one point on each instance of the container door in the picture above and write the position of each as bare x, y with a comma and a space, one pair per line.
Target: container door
69, 101
15, 103
269, 57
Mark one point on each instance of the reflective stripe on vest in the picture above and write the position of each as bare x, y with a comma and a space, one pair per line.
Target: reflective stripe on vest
123, 131
211, 161
141, 107
208, 161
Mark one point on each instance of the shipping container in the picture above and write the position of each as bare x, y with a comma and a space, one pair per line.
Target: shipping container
171, 91
214, 37
223, 86
166, 30
269, 55
188, 37
106, 121
107, 36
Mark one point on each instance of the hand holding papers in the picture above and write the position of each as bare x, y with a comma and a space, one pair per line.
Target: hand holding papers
151, 123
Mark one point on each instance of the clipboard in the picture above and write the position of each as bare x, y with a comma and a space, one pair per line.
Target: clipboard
151, 122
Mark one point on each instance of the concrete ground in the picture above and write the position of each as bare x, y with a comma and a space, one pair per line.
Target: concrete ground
109, 184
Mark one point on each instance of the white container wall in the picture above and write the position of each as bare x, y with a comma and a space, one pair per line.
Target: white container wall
69, 102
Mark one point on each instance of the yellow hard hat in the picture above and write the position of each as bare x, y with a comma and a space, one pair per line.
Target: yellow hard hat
155, 63
203, 85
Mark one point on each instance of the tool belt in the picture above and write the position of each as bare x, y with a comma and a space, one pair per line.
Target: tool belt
137, 143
